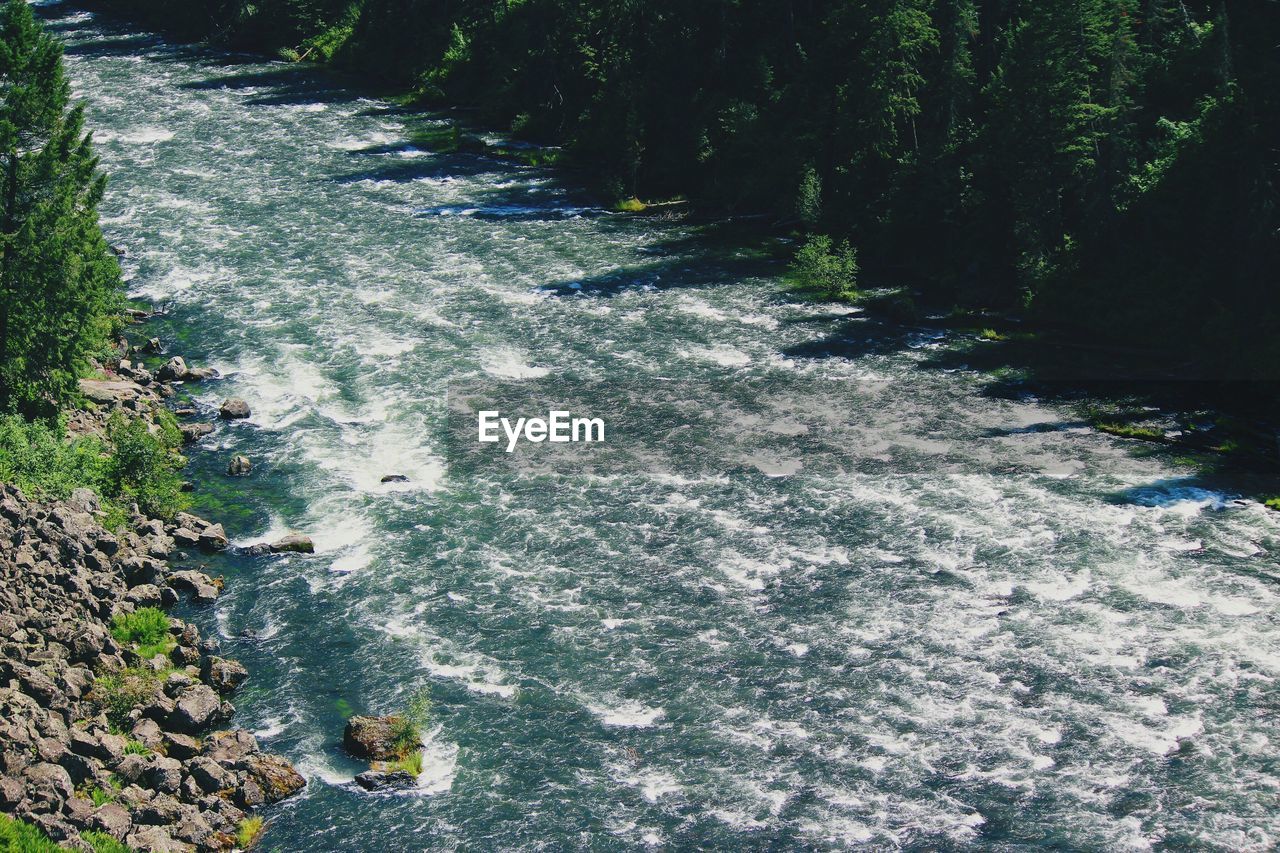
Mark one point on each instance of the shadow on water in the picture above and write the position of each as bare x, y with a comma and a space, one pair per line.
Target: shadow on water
287, 85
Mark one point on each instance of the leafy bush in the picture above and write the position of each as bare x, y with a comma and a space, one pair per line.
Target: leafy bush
827, 271
248, 831
35, 457
136, 465
406, 728
118, 693
144, 466
146, 630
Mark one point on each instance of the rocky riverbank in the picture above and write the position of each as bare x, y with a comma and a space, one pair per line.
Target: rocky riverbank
94, 736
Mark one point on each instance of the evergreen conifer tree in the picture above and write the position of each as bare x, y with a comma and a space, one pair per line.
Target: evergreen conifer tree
59, 283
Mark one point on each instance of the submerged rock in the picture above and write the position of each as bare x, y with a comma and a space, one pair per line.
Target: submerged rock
395, 478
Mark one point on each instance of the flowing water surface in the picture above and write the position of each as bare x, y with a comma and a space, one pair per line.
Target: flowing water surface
994, 627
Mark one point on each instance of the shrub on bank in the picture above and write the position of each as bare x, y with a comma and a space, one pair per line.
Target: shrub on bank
135, 464
146, 630
825, 269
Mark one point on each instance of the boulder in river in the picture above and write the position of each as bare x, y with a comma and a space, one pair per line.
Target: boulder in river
372, 738
191, 433
395, 478
234, 409
239, 466
381, 780
173, 370
295, 543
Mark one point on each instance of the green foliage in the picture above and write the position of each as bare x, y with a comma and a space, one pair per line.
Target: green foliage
826, 270
36, 458
144, 466
100, 796
147, 628
248, 831
1272, 503
1107, 166
410, 763
100, 842
60, 286
135, 747
17, 836
809, 197
118, 693
1142, 433
407, 729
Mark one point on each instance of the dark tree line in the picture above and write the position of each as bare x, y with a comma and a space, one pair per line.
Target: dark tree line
1111, 167
59, 282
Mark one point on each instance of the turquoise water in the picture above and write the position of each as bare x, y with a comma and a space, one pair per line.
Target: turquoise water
989, 626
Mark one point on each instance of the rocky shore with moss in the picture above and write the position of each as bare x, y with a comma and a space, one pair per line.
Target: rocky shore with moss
113, 712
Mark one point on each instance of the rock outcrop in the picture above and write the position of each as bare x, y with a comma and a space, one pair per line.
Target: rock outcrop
70, 686
371, 738
92, 735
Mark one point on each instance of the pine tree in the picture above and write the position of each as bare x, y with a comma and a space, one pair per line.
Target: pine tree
59, 283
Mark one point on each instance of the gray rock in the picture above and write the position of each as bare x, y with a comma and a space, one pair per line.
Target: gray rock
191, 433
113, 819
173, 370
221, 674
165, 774
378, 780
234, 409
196, 708
214, 538
185, 538
180, 746
370, 738
239, 466
53, 777
294, 543
395, 478
211, 776
201, 587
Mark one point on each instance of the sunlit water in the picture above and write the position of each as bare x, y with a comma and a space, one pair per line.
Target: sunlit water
995, 628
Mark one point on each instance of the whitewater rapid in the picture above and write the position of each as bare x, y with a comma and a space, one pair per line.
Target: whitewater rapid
990, 626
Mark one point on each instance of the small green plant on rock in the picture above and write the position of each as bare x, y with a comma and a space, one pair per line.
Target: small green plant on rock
248, 831
103, 843
136, 747
146, 630
118, 693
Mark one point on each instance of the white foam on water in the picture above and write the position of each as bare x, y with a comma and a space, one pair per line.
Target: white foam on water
508, 363
626, 714
723, 355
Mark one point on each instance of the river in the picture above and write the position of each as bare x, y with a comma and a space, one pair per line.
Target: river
994, 628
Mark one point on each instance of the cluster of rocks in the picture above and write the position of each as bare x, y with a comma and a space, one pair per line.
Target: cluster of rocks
91, 735
374, 739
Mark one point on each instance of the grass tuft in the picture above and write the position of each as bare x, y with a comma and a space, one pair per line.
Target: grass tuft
146, 630
248, 831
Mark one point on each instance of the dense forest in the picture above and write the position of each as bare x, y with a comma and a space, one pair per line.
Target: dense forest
1109, 167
